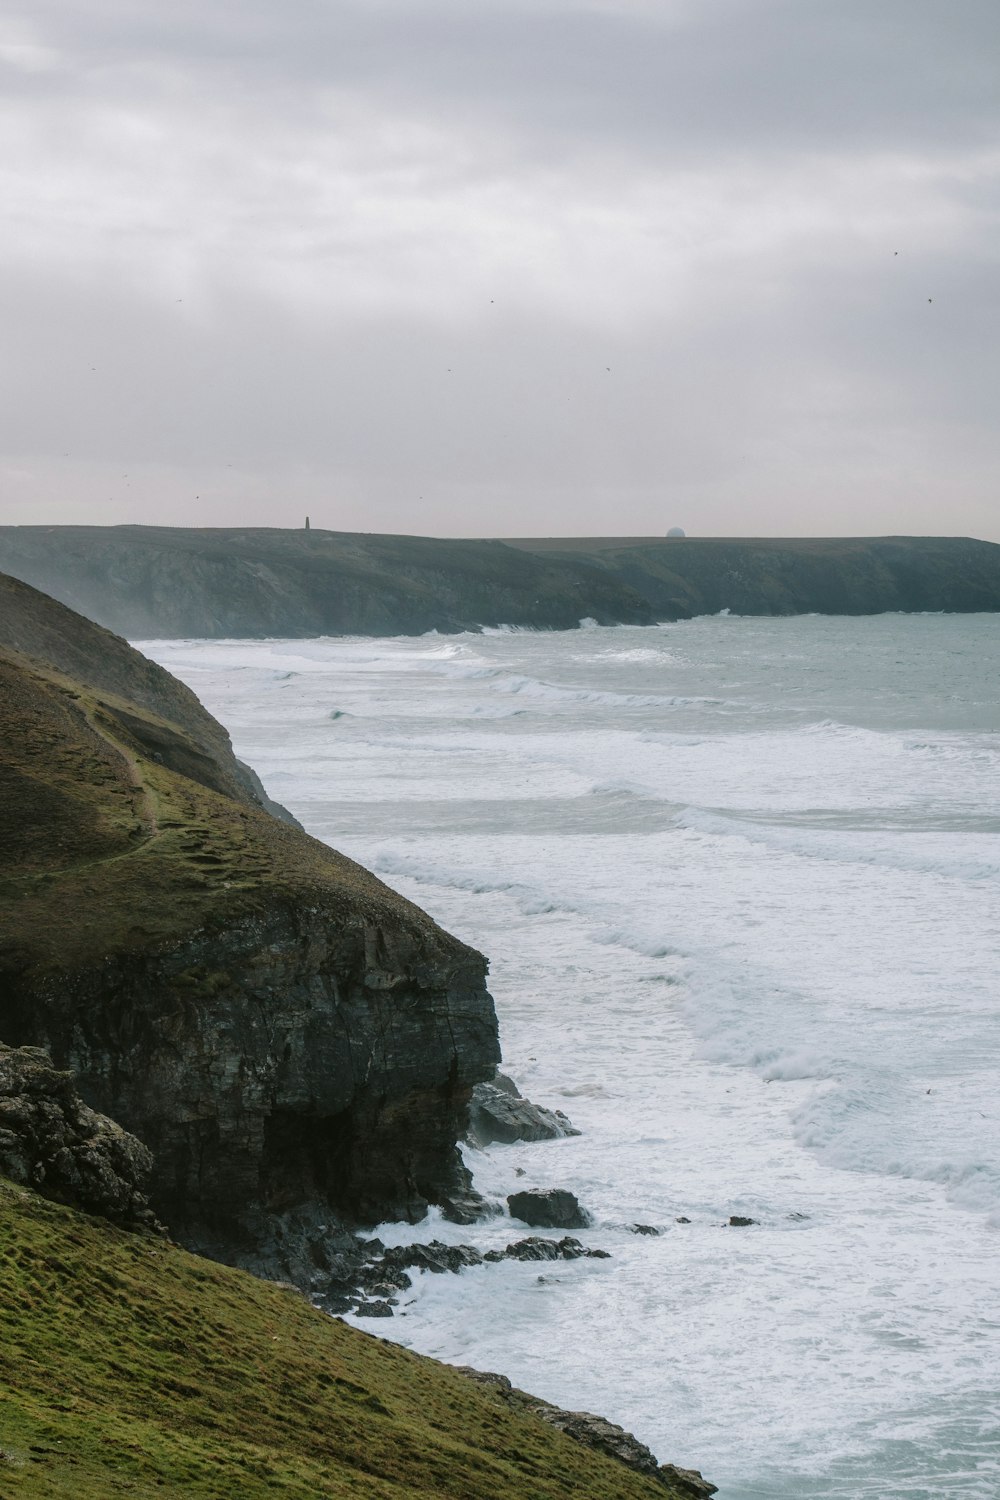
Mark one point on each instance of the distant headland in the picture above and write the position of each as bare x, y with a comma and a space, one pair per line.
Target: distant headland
163, 581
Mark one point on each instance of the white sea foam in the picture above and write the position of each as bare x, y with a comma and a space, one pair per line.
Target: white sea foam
739, 882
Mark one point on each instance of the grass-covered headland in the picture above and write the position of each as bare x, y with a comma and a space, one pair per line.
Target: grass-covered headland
194, 992
129, 1367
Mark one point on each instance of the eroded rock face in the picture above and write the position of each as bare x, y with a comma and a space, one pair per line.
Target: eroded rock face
499, 1112
50, 1141
288, 1060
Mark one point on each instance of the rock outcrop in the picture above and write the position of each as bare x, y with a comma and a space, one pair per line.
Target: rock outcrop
50, 1141
548, 1208
295, 1043
499, 1112
175, 581
597, 1433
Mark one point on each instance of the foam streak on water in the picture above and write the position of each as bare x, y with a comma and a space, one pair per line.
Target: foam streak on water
740, 884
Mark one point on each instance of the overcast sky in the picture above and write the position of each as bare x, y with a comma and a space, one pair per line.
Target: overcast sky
502, 267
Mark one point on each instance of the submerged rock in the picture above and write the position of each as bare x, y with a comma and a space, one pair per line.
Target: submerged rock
548, 1208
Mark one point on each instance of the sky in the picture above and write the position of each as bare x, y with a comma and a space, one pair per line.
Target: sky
502, 267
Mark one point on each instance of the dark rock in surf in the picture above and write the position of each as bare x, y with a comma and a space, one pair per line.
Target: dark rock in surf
435, 1256
532, 1248
376, 1309
548, 1208
498, 1112
463, 1204
739, 1221
571, 1249
536, 1248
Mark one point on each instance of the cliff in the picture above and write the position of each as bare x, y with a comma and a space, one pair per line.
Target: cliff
148, 581
680, 577
130, 1367
291, 1040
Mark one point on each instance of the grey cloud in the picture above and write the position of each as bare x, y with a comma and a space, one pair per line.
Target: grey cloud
725, 74
381, 257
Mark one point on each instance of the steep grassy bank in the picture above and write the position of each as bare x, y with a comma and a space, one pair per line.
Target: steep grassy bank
128, 1367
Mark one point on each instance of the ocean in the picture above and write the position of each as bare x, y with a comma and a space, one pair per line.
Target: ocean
739, 882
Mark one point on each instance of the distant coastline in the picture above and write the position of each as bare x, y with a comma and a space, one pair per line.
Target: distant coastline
167, 582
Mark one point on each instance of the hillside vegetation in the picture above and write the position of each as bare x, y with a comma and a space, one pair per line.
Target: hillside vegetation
129, 1367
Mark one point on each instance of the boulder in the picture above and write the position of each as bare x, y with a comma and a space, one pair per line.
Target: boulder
52, 1142
498, 1112
533, 1248
434, 1256
548, 1208
376, 1309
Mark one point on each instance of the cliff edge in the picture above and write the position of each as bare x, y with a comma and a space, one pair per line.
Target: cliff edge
162, 581
157, 581
292, 1041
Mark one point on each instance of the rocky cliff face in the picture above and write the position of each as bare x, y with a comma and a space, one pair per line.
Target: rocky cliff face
52, 1142
283, 1060
773, 576
173, 581
286, 1035
150, 581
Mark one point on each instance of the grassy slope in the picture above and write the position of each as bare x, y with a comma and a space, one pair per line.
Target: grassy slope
129, 1367
109, 850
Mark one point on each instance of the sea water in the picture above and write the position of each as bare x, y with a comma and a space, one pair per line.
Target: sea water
739, 882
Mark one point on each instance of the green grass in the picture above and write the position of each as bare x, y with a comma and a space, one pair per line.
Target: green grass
131, 1368
109, 851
